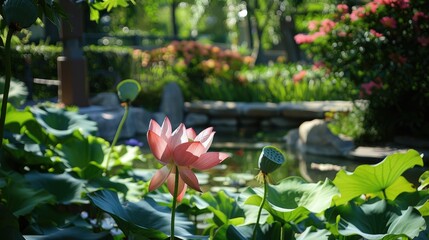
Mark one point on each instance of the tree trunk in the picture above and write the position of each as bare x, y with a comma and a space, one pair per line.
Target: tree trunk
287, 29
174, 20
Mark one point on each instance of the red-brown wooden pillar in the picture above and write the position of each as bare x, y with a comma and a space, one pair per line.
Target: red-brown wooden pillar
72, 68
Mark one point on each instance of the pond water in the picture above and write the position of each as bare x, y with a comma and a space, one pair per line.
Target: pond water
239, 171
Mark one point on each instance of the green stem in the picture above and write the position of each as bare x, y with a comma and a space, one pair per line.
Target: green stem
384, 194
173, 209
115, 139
262, 206
8, 68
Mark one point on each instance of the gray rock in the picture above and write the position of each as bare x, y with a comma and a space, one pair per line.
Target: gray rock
214, 108
108, 122
229, 122
259, 109
284, 122
196, 119
106, 99
172, 103
316, 138
292, 137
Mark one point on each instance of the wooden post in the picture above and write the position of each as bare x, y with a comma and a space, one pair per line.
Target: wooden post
72, 68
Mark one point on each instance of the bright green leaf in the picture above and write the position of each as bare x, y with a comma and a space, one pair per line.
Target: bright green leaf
64, 187
145, 218
380, 179
378, 220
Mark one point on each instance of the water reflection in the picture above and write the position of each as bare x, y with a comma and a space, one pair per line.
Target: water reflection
240, 169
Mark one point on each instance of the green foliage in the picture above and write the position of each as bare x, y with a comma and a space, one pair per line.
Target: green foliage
45, 178
154, 225
61, 122
382, 47
349, 124
106, 66
52, 184
17, 92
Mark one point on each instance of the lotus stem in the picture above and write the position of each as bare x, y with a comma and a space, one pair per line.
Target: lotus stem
8, 76
116, 137
264, 178
173, 209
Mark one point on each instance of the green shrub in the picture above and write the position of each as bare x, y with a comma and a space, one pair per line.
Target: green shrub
106, 66
383, 47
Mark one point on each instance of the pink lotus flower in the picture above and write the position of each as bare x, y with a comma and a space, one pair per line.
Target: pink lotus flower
182, 149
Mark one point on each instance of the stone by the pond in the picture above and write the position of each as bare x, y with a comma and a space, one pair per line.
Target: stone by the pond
108, 120
106, 99
314, 137
196, 119
172, 103
259, 109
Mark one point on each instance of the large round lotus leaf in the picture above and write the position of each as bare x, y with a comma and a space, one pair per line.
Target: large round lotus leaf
17, 92
128, 90
377, 220
61, 122
22, 13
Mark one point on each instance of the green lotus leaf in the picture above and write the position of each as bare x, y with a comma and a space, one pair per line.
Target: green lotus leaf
64, 187
84, 155
266, 231
418, 199
27, 152
80, 233
128, 90
21, 13
9, 225
319, 234
144, 218
424, 180
379, 219
61, 123
383, 180
126, 188
19, 197
17, 92
224, 207
293, 199
23, 122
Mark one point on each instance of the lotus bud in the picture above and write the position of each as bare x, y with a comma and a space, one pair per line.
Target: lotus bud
270, 159
20, 13
128, 90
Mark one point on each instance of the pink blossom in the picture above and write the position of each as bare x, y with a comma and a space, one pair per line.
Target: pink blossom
419, 15
373, 6
343, 8
357, 14
327, 25
375, 33
299, 76
312, 25
318, 65
180, 149
395, 3
398, 58
388, 22
424, 41
367, 88
303, 38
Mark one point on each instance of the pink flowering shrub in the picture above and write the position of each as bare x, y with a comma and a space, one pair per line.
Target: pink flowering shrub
198, 61
382, 46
